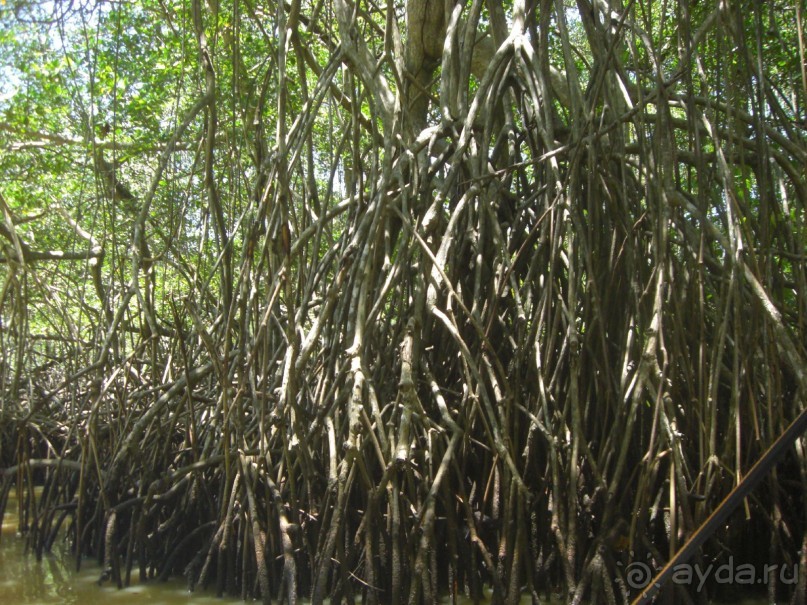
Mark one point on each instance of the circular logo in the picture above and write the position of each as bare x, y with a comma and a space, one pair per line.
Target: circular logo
638, 574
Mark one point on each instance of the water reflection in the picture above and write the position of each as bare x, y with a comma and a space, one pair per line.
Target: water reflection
26, 581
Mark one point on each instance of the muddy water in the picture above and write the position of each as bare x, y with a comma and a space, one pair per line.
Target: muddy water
26, 581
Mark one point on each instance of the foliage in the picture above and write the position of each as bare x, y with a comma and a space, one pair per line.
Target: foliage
341, 298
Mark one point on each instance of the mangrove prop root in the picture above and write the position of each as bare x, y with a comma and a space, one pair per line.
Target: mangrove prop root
384, 340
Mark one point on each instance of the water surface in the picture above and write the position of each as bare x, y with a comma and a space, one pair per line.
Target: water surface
26, 581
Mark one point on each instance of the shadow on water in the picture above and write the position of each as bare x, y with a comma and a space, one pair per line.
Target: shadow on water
54, 579
26, 581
